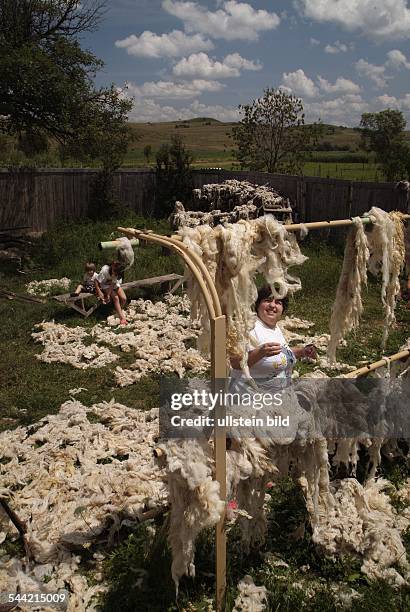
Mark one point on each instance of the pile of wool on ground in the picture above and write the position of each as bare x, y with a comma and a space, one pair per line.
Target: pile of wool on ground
231, 193
75, 482
48, 287
381, 250
251, 598
188, 218
233, 254
157, 334
64, 344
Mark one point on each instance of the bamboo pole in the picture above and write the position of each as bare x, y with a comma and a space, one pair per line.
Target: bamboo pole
295, 227
218, 374
186, 256
378, 364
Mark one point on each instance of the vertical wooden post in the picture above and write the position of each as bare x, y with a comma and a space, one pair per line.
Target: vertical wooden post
218, 374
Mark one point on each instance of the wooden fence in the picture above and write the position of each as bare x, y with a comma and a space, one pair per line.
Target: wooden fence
37, 199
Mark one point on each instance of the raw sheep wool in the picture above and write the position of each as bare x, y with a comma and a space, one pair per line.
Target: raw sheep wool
387, 253
251, 598
194, 500
348, 307
346, 517
361, 521
232, 193
233, 254
381, 250
48, 287
64, 344
125, 253
156, 334
188, 218
75, 478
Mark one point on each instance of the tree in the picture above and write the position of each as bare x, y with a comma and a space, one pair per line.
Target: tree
174, 175
46, 78
272, 135
383, 133
147, 152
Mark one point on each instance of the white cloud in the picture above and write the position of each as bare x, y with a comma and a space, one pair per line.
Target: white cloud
171, 90
377, 74
345, 110
314, 42
383, 19
387, 101
202, 66
396, 59
237, 61
233, 20
337, 47
174, 44
341, 86
146, 110
223, 113
298, 83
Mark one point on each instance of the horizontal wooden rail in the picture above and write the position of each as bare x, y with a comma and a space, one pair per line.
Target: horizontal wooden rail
378, 364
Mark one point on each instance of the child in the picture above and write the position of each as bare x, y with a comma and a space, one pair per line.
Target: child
108, 287
88, 284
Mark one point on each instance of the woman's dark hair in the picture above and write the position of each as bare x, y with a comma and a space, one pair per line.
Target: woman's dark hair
264, 293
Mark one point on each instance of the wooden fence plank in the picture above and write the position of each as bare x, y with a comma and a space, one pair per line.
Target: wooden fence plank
40, 198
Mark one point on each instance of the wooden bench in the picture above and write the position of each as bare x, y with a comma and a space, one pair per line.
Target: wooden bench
172, 282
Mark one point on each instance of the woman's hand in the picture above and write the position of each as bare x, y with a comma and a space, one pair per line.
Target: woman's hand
269, 349
265, 350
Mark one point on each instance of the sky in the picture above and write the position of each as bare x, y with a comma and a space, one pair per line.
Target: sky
182, 59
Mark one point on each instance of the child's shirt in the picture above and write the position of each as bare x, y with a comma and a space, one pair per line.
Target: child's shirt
88, 281
106, 280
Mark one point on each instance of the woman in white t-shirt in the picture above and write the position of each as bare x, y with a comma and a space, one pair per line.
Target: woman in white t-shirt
269, 355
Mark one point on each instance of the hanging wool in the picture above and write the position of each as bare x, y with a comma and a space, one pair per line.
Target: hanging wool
233, 254
125, 252
382, 250
194, 499
235, 285
348, 306
387, 251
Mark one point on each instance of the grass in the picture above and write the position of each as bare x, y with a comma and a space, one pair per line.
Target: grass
307, 582
211, 144
30, 390
344, 170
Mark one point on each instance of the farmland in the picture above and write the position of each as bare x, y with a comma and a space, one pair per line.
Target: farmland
211, 145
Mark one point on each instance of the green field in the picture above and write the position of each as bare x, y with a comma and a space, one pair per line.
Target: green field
211, 145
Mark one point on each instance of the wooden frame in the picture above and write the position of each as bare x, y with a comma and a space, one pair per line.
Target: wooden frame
218, 374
